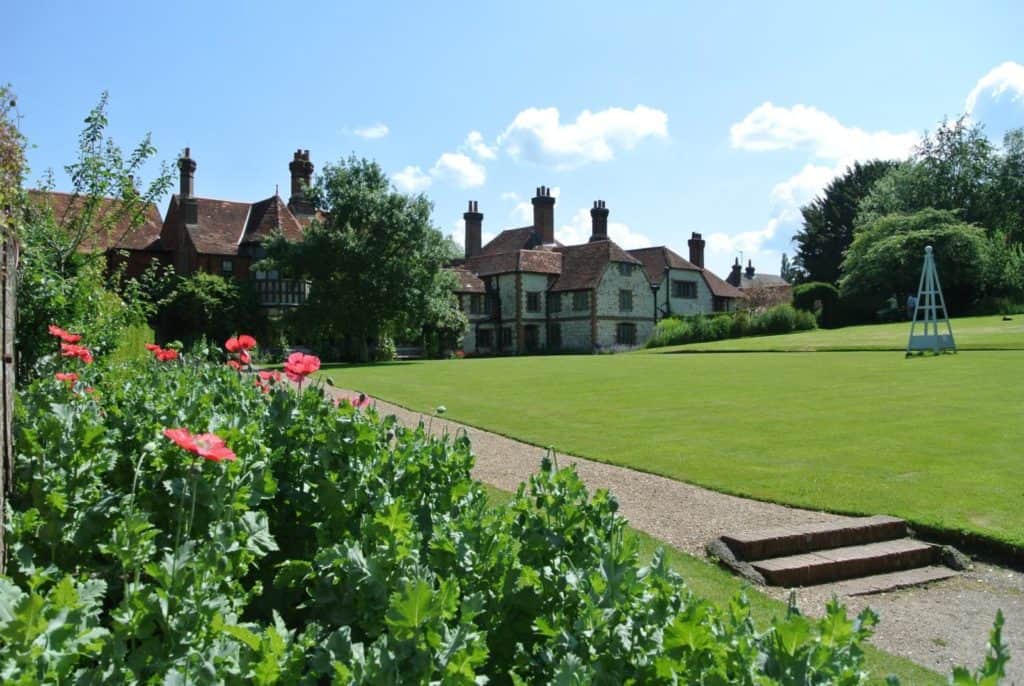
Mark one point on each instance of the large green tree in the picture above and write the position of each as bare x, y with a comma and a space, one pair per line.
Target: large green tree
374, 261
829, 221
887, 254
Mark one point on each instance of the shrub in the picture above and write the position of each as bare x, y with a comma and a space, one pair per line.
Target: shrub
778, 319
820, 298
670, 331
210, 306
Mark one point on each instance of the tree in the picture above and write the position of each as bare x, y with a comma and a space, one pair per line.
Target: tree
829, 221
1009, 187
886, 255
951, 169
57, 282
374, 260
786, 270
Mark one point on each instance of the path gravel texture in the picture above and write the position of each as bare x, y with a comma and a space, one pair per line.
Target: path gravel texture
943, 624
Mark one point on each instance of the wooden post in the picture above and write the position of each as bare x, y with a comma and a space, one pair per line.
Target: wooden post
8, 292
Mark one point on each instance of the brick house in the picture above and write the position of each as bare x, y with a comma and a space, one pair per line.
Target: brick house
525, 292
208, 235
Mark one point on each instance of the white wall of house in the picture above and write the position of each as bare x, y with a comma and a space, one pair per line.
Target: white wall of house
609, 304
701, 304
538, 284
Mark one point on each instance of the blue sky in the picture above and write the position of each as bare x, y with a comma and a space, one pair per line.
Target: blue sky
715, 117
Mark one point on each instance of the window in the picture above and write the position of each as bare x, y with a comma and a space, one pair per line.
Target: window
625, 269
227, 267
625, 334
554, 336
580, 300
684, 289
533, 301
506, 336
625, 300
484, 339
554, 302
476, 303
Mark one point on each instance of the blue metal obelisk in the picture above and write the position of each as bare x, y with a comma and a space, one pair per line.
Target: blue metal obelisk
929, 303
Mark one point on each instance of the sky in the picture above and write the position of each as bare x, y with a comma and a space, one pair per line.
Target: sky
718, 117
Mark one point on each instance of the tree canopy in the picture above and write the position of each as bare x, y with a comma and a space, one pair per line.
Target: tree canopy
829, 221
373, 258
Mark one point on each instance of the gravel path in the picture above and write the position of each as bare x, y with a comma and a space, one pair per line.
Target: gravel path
943, 624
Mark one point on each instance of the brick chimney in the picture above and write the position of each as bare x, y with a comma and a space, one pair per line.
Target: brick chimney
599, 222
186, 188
735, 276
749, 271
302, 177
544, 215
474, 226
696, 244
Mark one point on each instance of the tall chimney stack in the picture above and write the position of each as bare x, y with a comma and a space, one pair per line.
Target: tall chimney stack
599, 222
186, 188
302, 177
474, 226
696, 244
749, 271
544, 215
735, 276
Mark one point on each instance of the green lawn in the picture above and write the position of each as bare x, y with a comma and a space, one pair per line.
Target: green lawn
937, 440
718, 586
970, 333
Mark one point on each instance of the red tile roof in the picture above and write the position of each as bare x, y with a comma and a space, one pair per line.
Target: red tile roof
224, 225
655, 260
535, 261
468, 281
509, 240
121, 235
583, 265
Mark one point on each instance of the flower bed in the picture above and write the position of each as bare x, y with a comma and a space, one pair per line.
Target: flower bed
196, 523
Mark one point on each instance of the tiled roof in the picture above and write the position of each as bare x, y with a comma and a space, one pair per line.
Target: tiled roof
583, 265
468, 281
535, 261
121, 236
510, 240
225, 224
763, 281
655, 260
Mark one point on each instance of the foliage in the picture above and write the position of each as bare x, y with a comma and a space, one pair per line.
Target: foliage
12, 162
887, 255
210, 306
374, 262
786, 270
779, 319
820, 298
829, 221
58, 281
339, 546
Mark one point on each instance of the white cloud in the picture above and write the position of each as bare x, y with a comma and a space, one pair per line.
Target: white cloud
1006, 79
475, 143
537, 135
378, 130
769, 127
579, 228
411, 180
460, 169
805, 184
522, 211
723, 248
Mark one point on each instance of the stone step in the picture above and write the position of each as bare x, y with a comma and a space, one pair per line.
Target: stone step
893, 581
836, 564
781, 542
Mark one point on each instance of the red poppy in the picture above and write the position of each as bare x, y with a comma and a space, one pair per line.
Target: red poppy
208, 446
79, 351
234, 364
232, 345
270, 376
244, 358
64, 335
152, 347
165, 355
246, 342
68, 377
360, 401
300, 365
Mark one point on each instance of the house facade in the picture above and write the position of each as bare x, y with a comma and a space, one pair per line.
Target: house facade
524, 292
199, 234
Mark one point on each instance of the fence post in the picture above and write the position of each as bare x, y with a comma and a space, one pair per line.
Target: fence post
8, 292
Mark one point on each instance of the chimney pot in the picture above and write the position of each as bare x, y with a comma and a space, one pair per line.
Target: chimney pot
474, 229
301, 170
544, 215
599, 222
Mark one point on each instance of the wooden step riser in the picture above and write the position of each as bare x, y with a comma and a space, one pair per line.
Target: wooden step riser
781, 543
833, 565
